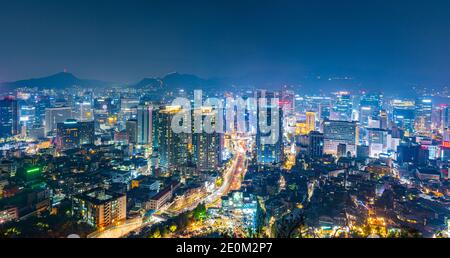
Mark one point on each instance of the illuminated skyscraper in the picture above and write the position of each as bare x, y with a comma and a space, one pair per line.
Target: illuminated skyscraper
132, 130
56, 115
207, 146
310, 121
128, 109
378, 141
269, 153
41, 103
315, 146
287, 101
339, 132
87, 132
172, 148
370, 105
86, 113
424, 107
144, 124
404, 114
342, 110
9, 117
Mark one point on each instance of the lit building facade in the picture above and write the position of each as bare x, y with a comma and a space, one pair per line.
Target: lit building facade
172, 148
339, 132
242, 207
316, 143
207, 146
269, 153
56, 115
100, 208
144, 124
72, 134
9, 117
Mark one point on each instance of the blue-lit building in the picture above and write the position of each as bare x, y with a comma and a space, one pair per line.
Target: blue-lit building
424, 108
41, 103
342, 110
9, 117
404, 115
339, 132
242, 207
315, 144
369, 106
269, 144
144, 124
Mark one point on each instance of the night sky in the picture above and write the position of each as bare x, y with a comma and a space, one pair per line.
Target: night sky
378, 42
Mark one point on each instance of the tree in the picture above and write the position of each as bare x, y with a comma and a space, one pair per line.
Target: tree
156, 233
165, 232
200, 212
173, 228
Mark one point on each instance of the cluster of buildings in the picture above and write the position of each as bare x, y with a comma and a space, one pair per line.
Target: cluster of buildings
340, 161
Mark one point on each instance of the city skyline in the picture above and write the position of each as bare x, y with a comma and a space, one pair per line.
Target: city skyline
195, 120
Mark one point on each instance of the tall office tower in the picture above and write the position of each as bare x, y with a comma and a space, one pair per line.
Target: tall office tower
383, 119
287, 101
56, 115
86, 113
132, 130
172, 148
404, 114
310, 121
87, 132
315, 146
378, 141
128, 109
342, 110
9, 117
269, 141
100, 208
41, 103
103, 108
339, 132
424, 108
73, 134
68, 134
145, 124
325, 111
27, 118
369, 105
445, 117
439, 117
207, 145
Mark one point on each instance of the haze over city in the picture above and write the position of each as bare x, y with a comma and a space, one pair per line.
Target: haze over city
378, 44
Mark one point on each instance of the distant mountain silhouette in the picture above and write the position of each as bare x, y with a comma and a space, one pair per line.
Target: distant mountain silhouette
176, 80
189, 82
149, 83
57, 81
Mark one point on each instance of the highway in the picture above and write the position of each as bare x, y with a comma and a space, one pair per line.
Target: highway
232, 179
